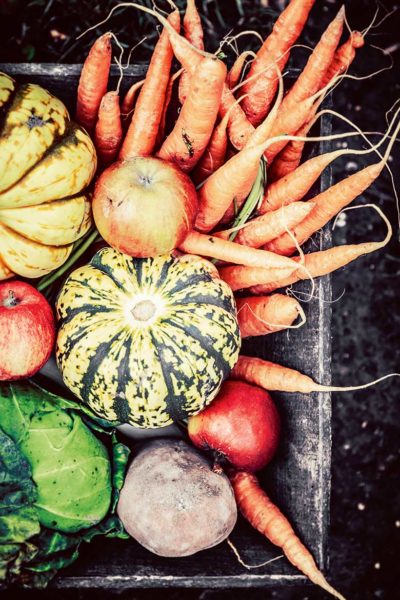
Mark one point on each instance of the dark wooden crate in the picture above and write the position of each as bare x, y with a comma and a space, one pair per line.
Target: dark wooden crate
299, 478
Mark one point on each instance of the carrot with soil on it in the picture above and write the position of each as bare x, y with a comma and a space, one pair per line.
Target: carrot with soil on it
141, 136
93, 82
194, 126
208, 245
265, 516
261, 82
262, 315
193, 31
108, 131
260, 230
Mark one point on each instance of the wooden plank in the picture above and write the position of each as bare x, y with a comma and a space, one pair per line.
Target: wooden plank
299, 478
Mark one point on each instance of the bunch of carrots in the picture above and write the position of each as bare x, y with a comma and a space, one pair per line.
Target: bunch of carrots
241, 137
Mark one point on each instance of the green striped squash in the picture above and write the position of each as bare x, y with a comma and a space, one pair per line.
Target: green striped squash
146, 341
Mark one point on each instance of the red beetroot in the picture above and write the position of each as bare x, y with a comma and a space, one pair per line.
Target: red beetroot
242, 423
27, 330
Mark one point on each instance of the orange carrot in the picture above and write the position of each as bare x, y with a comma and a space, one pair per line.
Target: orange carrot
289, 157
193, 31
261, 230
321, 263
262, 81
273, 377
168, 96
192, 26
343, 57
277, 378
93, 82
108, 132
288, 123
261, 315
310, 79
239, 127
295, 185
214, 155
231, 182
208, 245
263, 515
194, 126
240, 277
326, 205
142, 133
236, 70
128, 103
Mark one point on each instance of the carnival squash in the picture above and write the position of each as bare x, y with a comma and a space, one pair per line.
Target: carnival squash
46, 162
146, 341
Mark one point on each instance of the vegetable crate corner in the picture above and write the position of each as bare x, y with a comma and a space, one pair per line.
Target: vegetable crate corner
298, 479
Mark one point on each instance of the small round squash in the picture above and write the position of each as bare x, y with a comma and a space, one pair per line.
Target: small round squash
46, 162
146, 341
173, 503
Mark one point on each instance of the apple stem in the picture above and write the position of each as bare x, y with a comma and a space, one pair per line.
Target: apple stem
11, 300
217, 468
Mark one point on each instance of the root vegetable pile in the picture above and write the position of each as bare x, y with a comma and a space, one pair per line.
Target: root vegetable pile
203, 195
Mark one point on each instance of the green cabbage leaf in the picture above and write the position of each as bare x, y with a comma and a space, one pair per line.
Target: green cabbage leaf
61, 470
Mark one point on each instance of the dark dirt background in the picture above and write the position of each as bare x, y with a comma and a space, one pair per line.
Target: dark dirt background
365, 507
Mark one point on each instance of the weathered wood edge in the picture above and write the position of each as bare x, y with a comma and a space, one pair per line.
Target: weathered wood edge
60, 70
325, 368
121, 582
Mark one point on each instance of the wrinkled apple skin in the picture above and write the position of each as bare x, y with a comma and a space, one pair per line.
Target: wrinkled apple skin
144, 206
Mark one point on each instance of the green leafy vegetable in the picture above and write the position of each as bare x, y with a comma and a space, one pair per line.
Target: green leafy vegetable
18, 517
55, 473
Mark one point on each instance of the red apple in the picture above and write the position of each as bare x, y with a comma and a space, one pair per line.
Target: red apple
27, 330
145, 206
241, 423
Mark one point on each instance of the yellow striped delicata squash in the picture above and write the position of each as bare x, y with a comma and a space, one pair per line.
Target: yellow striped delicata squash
46, 162
146, 341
